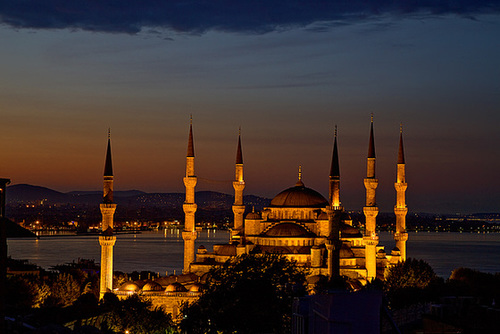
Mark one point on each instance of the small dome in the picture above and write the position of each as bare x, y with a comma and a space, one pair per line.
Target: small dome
395, 252
299, 196
225, 250
152, 286
253, 215
202, 250
381, 254
175, 287
323, 216
346, 251
315, 279
129, 286
347, 231
288, 230
196, 287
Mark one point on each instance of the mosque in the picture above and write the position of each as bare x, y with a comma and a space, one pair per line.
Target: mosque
301, 224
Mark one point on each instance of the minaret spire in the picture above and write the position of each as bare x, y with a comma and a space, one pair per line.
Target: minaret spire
400, 209
107, 239
190, 151
334, 188
238, 185
401, 153
239, 154
371, 146
370, 210
189, 234
108, 166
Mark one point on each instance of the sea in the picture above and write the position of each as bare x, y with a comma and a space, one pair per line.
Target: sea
162, 251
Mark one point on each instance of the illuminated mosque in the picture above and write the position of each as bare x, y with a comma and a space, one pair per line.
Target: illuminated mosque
301, 224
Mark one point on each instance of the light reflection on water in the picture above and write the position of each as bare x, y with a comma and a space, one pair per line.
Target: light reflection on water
161, 251
156, 251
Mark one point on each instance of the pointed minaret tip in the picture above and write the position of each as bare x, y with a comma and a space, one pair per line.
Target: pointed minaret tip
239, 154
401, 153
371, 145
335, 170
190, 151
108, 167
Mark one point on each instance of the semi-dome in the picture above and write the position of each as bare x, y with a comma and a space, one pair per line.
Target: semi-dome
288, 230
299, 196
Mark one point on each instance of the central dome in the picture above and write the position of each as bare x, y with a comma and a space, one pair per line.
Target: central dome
299, 196
288, 230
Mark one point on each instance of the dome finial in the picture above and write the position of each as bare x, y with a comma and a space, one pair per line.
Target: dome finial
335, 130
299, 182
109, 133
371, 117
401, 127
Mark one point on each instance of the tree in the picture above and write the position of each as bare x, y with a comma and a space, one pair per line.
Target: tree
247, 294
134, 315
410, 282
65, 290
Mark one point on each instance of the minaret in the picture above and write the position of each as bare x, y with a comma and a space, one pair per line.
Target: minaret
107, 238
334, 211
370, 210
334, 184
400, 209
189, 206
238, 185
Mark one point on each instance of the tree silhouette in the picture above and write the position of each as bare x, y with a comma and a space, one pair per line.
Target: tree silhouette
248, 294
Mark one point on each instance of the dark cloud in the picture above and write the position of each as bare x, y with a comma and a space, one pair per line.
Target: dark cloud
198, 16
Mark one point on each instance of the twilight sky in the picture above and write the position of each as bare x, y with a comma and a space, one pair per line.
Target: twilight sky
285, 71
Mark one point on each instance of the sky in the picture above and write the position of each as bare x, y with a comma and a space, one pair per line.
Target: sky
287, 72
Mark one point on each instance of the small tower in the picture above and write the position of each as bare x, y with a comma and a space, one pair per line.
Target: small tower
370, 210
400, 209
107, 238
238, 185
334, 184
189, 234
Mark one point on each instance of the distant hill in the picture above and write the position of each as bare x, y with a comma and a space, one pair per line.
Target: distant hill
122, 193
207, 200
24, 193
